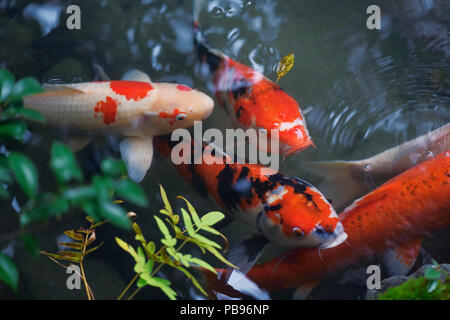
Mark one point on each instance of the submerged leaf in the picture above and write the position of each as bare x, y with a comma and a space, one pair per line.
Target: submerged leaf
8, 272
6, 84
63, 164
168, 208
25, 173
285, 65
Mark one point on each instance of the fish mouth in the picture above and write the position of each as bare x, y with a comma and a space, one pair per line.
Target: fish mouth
299, 148
335, 242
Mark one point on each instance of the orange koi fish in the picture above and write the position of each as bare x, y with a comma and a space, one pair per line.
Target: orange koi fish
288, 211
251, 99
134, 108
395, 215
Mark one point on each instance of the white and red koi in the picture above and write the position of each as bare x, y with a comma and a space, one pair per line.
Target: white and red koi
251, 99
134, 108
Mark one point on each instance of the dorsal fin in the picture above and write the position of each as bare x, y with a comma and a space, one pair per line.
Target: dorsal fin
136, 75
60, 88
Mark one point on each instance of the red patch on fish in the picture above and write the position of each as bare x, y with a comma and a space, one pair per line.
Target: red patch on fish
108, 108
182, 87
165, 115
131, 89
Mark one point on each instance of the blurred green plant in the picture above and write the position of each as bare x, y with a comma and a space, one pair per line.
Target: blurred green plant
149, 260
433, 274
72, 192
78, 250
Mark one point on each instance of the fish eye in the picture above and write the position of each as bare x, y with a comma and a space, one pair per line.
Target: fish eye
298, 231
181, 116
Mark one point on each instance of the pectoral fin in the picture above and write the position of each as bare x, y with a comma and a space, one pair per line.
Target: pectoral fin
60, 88
136, 75
303, 291
76, 144
245, 253
137, 153
398, 261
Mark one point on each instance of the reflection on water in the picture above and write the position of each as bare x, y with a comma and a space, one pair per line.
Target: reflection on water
368, 90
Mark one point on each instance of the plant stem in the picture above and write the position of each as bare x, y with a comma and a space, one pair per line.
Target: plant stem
136, 276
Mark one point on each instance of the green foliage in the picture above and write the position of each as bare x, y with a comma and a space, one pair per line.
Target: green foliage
146, 256
96, 198
418, 289
8, 272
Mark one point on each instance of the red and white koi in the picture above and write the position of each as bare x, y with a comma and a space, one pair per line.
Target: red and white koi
134, 108
251, 99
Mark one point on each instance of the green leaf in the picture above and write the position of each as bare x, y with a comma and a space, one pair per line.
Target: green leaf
25, 173
74, 235
150, 248
205, 241
192, 278
149, 266
432, 285
132, 192
8, 272
163, 228
25, 87
80, 194
6, 84
125, 246
193, 212
161, 283
166, 202
15, 112
31, 244
115, 214
72, 245
188, 222
211, 218
13, 129
63, 164
432, 274
220, 257
114, 168
203, 264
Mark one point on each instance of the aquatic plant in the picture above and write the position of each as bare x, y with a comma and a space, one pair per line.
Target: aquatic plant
417, 289
78, 250
95, 198
149, 260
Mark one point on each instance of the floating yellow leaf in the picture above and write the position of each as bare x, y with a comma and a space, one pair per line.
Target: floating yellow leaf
285, 65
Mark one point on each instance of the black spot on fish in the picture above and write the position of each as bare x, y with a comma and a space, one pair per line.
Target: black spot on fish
240, 87
274, 208
239, 112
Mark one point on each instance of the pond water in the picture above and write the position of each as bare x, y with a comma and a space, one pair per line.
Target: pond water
365, 91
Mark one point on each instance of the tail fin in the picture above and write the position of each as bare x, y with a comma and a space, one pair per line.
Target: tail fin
344, 180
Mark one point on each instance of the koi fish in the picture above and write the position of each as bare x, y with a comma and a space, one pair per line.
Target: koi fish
135, 108
251, 99
286, 210
347, 180
392, 217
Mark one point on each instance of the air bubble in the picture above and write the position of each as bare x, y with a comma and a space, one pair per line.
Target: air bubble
217, 12
248, 4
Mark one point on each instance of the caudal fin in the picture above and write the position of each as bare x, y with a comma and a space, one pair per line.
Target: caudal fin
344, 181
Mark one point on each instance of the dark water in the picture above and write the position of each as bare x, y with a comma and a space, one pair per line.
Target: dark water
367, 90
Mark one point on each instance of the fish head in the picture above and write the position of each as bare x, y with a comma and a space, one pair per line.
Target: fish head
179, 106
298, 215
